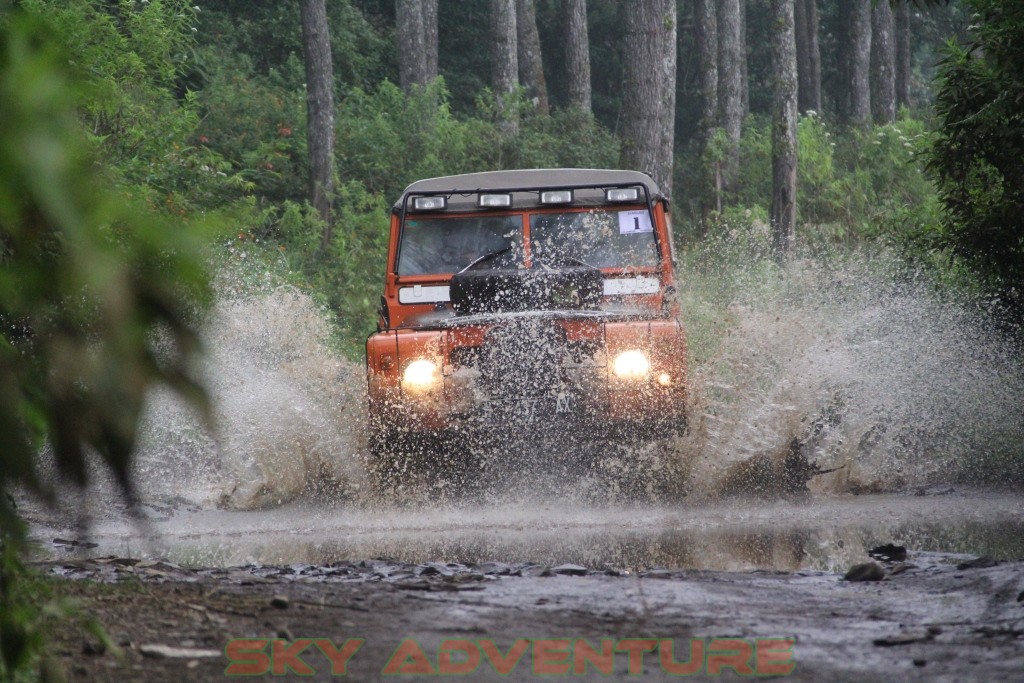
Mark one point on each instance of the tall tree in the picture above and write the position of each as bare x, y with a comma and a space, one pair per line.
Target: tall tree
808, 55
903, 53
859, 60
744, 64
531, 65
978, 153
649, 71
316, 49
883, 63
577, 53
416, 35
504, 61
706, 30
784, 119
667, 117
430, 38
412, 52
730, 83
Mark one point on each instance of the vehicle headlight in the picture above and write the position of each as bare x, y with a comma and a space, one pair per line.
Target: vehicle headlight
420, 374
631, 365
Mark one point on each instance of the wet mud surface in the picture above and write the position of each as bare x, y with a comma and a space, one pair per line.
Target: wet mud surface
552, 582
926, 620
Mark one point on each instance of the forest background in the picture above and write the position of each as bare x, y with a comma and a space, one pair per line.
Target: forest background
201, 110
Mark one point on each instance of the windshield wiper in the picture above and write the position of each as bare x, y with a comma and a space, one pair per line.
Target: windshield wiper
486, 257
565, 261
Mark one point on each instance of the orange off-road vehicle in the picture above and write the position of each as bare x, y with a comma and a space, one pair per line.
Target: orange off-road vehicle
527, 300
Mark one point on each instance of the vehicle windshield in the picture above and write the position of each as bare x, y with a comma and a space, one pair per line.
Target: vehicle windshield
603, 239
447, 245
598, 238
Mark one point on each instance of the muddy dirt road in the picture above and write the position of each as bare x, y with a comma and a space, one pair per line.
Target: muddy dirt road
537, 591
930, 622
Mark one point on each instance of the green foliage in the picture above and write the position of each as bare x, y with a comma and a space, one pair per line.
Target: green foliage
978, 155
23, 626
90, 278
87, 275
128, 59
387, 139
566, 138
884, 179
853, 185
348, 276
121, 44
31, 613
256, 124
268, 34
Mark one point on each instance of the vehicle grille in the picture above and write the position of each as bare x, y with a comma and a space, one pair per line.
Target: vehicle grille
522, 359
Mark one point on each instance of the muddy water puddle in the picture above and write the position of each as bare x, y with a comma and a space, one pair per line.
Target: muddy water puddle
820, 533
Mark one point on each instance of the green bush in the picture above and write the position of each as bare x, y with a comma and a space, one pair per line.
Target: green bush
256, 124
128, 59
387, 139
567, 138
978, 154
854, 186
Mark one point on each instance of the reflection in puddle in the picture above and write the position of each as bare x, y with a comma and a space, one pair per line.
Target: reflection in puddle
822, 534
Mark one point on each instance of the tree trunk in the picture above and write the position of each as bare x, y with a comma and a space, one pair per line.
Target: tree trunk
577, 53
706, 34
903, 54
666, 163
883, 63
531, 66
504, 62
744, 66
412, 47
730, 84
842, 56
859, 60
430, 39
808, 55
784, 119
648, 71
706, 28
316, 49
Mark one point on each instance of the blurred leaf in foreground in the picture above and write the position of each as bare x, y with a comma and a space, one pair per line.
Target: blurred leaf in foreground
89, 278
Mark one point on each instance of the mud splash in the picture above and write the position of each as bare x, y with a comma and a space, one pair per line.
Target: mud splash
854, 369
842, 376
288, 409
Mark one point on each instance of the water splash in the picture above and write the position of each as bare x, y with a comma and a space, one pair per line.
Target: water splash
856, 367
288, 410
848, 365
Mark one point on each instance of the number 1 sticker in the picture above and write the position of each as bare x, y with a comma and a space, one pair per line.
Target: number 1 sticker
631, 222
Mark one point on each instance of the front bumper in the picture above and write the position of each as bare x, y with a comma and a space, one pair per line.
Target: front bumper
563, 380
